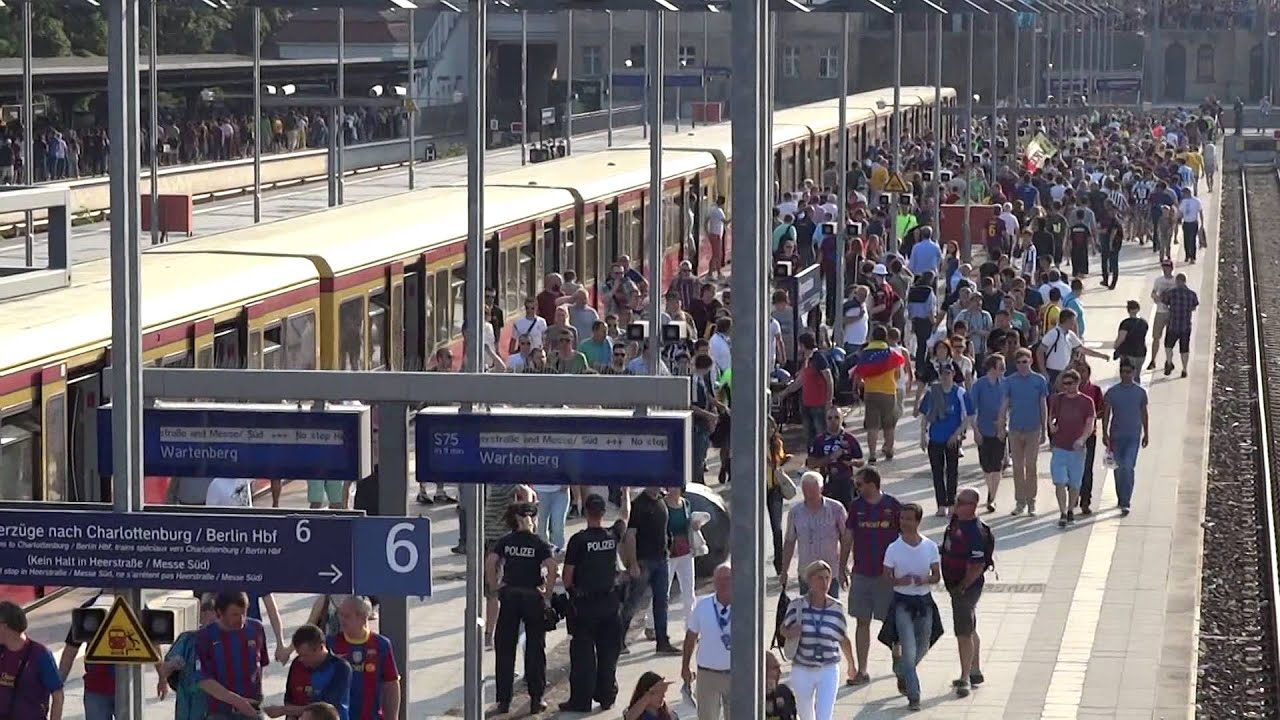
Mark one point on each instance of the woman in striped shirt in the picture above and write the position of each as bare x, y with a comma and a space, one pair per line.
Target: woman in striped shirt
815, 623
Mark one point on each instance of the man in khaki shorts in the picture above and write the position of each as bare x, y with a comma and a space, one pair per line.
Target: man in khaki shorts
878, 370
872, 526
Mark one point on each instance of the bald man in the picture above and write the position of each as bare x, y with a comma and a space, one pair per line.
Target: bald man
708, 634
966, 554
319, 711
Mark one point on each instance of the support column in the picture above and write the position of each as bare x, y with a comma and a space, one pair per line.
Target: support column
653, 222
393, 476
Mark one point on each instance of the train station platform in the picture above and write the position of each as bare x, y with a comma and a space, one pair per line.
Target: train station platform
1095, 621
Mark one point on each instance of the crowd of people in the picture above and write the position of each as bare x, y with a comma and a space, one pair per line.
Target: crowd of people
70, 151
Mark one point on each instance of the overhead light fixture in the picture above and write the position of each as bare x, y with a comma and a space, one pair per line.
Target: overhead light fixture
627, 62
210, 3
288, 89
375, 91
713, 8
451, 6
666, 5
797, 4
404, 4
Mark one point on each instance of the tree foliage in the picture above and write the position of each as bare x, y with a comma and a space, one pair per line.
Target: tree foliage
71, 27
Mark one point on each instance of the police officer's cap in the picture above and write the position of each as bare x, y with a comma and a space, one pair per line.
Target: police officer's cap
594, 504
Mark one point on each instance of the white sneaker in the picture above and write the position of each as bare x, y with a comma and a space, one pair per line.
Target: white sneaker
1018, 509
1031, 507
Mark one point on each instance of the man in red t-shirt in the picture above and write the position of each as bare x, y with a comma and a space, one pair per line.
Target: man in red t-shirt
815, 384
1071, 422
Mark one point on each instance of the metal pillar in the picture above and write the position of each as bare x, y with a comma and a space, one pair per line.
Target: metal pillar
1017, 65
752, 184
28, 132
653, 232
126, 296
1062, 59
568, 95
1080, 59
339, 181
995, 90
680, 69
895, 125
473, 495
842, 152
937, 127
1035, 60
153, 124
393, 476
411, 106
257, 114
702, 65
331, 169
524, 87
966, 245
644, 127
612, 61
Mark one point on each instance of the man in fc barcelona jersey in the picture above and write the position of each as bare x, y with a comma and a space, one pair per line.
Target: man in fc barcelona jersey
375, 683
315, 676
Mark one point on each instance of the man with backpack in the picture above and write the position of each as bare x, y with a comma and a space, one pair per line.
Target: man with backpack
178, 671
968, 551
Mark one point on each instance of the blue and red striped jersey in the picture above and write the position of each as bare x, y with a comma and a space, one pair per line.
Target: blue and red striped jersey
330, 682
372, 663
234, 658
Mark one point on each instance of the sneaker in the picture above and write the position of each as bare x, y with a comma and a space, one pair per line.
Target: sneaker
1184, 373
860, 679
888, 455
424, 499
1124, 512
976, 678
443, 499
1071, 518
649, 634
458, 549
991, 507
962, 688
942, 512
1062, 520
913, 705
1168, 369
1018, 509
667, 649
871, 460
1086, 510
567, 706
537, 706
1151, 366
499, 709
1031, 507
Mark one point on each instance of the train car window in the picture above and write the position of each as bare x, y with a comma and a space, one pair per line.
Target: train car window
510, 293
255, 348
673, 221
82, 458
550, 240
377, 333
19, 456
635, 238
55, 438
351, 334
569, 250
176, 360
412, 347
528, 277
300, 341
226, 346
608, 237
395, 338
491, 254
440, 301
457, 302
274, 356
204, 358
591, 249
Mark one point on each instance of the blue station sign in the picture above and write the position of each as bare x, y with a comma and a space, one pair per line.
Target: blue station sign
255, 553
603, 447
249, 441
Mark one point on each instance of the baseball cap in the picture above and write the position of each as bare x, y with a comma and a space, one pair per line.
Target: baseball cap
880, 269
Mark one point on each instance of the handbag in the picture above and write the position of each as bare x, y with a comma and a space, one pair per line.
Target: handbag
697, 541
785, 483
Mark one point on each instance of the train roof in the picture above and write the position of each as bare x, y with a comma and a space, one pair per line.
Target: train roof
603, 174
49, 326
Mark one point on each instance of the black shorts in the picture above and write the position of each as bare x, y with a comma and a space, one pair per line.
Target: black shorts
991, 454
1181, 338
964, 610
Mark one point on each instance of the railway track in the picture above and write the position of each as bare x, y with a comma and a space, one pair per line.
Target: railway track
1239, 662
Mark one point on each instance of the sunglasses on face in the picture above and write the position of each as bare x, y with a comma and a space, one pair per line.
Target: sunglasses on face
1068, 383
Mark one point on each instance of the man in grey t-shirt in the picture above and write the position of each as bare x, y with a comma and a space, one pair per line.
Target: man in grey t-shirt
1125, 429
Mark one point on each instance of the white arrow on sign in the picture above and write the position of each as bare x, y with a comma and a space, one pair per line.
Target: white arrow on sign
334, 576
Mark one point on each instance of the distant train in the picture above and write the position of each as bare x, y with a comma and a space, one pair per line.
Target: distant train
374, 285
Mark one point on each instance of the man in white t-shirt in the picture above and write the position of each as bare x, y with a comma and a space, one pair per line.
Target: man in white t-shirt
532, 325
914, 565
707, 637
1058, 347
230, 492
777, 350
1162, 284
1191, 211
715, 224
857, 323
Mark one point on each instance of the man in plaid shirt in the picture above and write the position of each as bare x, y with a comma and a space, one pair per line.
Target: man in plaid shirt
1182, 302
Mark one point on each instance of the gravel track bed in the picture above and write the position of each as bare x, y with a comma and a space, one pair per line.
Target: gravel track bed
1237, 668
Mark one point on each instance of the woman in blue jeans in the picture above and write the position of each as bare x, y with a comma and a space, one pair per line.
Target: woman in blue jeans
553, 508
915, 566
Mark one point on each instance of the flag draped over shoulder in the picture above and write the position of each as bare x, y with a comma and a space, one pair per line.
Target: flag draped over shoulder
877, 359
1039, 151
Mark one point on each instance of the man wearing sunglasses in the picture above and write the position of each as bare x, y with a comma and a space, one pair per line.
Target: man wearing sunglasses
1071, 422
1125, 428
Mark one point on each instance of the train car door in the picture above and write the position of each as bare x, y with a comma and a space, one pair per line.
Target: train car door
84, 394
53, 414
414, 328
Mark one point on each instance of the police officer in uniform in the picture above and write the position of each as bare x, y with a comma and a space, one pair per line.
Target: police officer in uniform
524, 563
590, 571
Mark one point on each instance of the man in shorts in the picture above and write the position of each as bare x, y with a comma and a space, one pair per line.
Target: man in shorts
872, 526
879, 368
1072, 419
327, 493
966, 556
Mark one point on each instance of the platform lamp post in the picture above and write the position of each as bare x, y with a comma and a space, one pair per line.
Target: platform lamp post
28, 132
900, 9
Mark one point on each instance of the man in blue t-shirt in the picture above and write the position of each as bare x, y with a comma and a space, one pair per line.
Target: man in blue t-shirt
944, 413
988, 397
1125, 423
1024, 419
316, 675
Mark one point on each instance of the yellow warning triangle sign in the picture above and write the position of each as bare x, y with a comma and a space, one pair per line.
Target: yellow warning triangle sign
121, 639
896, 184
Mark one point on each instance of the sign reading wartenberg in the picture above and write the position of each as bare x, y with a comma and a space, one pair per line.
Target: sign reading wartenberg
254, 441
601, 447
